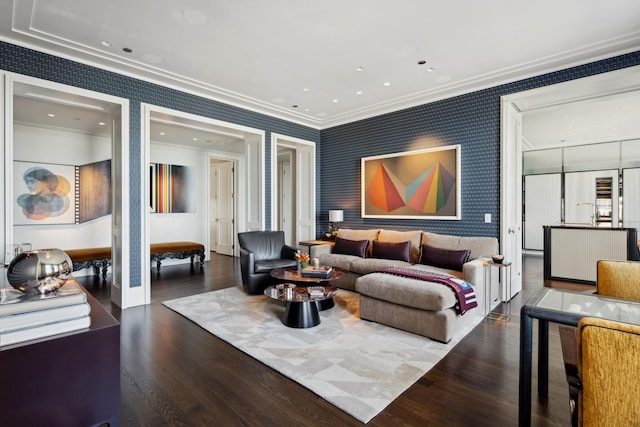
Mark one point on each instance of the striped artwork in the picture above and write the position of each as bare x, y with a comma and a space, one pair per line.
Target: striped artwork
170, 185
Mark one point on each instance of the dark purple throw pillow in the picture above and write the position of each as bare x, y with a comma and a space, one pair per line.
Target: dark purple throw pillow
444, 258
351, 247
387, 250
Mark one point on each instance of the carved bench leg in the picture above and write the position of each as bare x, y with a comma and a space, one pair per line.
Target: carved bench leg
105, 266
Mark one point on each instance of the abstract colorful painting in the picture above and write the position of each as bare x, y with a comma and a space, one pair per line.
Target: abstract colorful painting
414, 184
172, 188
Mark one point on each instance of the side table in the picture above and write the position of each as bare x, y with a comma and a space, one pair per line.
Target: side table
311, 243
66, 379
506, 267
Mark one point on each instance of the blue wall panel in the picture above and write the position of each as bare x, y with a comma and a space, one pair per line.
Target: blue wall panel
31, 63
471, 120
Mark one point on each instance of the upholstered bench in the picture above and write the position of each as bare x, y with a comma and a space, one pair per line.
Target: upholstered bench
98, 258
180, 250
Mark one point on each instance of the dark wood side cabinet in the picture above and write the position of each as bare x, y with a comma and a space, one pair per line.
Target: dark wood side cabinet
66, 380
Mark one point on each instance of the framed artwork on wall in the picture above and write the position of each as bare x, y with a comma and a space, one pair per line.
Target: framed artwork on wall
421, 184
172, 188
94, 190
44, 193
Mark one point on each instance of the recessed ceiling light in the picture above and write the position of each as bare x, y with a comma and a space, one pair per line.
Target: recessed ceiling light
106, 44
101, 123
294, 106
431, 69
386, 84
195, 139
51, 115
422, 62
306, 89
359, 92
306, 109
126, 49
335, 101
162, 133
360, 69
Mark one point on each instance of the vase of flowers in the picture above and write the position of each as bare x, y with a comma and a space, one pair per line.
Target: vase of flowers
303, 260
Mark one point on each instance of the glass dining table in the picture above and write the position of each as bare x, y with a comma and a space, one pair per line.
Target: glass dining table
567, 308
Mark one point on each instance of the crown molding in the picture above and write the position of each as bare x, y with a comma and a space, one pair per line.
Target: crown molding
95, 58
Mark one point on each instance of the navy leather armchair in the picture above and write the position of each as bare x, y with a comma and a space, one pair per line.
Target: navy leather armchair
261, 252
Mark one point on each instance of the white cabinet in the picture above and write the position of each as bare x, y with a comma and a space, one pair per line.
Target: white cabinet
631, 193
543, 206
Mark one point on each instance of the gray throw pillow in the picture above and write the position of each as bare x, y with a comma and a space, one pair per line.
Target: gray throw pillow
444, 258
387, 250
351, 247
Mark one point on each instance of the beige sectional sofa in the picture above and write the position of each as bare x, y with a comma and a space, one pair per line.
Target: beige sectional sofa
413, 305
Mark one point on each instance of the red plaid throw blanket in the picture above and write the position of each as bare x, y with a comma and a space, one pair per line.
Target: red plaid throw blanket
465, 295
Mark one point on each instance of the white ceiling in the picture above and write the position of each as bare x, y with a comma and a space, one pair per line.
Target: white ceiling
263, 55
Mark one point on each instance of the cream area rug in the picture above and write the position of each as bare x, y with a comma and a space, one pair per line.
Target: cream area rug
357, 365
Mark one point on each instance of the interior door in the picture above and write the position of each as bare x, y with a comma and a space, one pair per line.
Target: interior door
225, 207
118, 294
511, 195
286, 196
305, 193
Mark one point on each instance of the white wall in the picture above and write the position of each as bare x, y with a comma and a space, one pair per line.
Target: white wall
34, 144
170, 227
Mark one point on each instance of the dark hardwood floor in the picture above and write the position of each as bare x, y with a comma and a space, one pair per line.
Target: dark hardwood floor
175, 373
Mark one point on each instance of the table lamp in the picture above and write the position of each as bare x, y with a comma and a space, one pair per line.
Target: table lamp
335, 218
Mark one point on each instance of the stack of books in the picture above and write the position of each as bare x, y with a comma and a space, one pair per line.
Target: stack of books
317, 272
28, 317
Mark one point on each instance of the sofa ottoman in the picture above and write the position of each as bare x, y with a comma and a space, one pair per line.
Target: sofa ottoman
418, 306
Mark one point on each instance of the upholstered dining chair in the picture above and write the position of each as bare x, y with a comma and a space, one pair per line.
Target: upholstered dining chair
261, 252
615, 278
608, 373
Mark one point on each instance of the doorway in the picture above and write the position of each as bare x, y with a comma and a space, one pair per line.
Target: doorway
512, 107
293, 205
71, 130
185, 139
222, 202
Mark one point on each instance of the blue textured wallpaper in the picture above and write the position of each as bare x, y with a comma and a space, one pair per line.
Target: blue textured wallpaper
471, 120
31, 63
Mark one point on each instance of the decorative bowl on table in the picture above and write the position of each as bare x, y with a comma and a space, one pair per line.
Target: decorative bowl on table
498, 259
39, 271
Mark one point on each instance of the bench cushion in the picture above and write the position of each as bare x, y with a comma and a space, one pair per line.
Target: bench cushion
89, 254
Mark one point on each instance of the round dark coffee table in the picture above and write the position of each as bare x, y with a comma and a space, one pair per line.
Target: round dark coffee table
293, 275
302, 302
